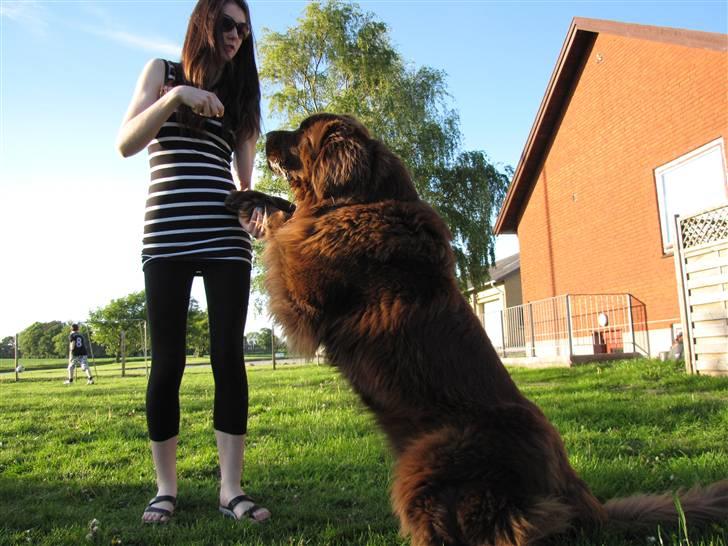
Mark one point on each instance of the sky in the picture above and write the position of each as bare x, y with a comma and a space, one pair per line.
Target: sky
71, 208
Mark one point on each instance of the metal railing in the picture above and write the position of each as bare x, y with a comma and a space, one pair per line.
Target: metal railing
570, 325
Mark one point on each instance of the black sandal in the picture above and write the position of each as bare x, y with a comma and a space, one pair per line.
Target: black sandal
153, 509
229, 510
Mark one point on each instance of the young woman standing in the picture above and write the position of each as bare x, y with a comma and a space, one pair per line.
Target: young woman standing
197, 117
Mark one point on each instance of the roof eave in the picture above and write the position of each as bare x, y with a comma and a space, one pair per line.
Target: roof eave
539, 136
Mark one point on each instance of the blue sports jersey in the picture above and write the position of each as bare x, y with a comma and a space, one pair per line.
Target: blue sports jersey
79, 347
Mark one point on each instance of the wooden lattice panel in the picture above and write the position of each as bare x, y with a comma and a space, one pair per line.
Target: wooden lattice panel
708, 227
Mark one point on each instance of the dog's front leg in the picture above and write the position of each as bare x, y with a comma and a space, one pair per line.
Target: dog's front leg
270, 211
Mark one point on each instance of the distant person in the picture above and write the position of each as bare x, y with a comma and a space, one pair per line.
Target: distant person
77, 356
196, 117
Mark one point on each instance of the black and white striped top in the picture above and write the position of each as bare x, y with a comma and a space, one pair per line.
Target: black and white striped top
185, 216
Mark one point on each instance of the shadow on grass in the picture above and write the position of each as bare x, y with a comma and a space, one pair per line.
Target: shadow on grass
304, 512
316, 514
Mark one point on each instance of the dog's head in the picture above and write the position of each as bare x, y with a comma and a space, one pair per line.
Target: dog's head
333, 157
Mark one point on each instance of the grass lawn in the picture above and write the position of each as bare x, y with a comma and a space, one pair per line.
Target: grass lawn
72, 454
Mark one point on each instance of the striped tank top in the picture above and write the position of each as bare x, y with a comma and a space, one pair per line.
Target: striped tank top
185, 216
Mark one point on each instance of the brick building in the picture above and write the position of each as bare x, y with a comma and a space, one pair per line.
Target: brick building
630, 132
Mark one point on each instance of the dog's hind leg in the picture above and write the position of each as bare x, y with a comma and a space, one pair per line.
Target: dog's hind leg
473, 487
449, 518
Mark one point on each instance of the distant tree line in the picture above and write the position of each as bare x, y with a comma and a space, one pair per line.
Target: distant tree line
41, 340
104, 329
260, 342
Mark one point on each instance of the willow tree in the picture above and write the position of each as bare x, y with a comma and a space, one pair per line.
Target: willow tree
340, 59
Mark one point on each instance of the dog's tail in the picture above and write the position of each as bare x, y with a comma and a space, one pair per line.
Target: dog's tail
699, 506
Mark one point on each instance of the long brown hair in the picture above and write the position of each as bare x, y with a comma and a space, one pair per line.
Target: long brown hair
238, 88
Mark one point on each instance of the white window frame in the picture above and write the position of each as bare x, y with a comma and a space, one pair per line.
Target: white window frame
666, 223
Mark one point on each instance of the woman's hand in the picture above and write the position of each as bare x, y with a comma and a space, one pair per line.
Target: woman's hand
257, 224
201, 102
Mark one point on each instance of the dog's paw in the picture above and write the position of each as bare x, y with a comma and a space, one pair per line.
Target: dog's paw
244, 202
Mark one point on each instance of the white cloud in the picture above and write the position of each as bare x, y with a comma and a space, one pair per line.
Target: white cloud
153, 45
106, 27
29, 13
33, 15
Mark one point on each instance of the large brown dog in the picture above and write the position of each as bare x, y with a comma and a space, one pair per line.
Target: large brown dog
364, 268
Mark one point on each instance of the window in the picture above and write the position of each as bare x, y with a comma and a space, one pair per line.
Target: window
690, 183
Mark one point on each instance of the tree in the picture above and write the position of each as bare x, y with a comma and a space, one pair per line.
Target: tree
129, 313
7, 347
253, 343
60, 340
262, 340
124, 314
40, 340
340, 59
198, 330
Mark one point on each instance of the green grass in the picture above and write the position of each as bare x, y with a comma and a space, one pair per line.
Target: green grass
315, 458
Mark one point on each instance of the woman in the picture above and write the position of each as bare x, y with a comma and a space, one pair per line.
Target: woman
196, 117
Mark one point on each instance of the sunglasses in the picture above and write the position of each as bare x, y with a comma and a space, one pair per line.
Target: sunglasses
242, 29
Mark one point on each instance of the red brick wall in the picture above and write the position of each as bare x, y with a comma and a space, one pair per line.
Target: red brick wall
592, 223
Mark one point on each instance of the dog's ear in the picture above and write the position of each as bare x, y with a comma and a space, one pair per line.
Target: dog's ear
342, 163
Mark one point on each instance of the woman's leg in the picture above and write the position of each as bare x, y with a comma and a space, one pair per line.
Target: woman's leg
164, 455
227, 286
167, 287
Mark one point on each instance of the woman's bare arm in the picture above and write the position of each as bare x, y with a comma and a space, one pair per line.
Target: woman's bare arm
148, 111
244, 159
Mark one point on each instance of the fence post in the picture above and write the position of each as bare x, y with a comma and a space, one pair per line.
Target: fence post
123, 353
533, 329
682, 281
91, 351
273, 344
569, 325
631, 322
16, 358
503, 332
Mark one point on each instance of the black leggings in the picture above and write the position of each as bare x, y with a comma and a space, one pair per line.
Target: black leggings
168, 285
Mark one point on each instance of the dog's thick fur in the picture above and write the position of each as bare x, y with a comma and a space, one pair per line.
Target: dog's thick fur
364, 268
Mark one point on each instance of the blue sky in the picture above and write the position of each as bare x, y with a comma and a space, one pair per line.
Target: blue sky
72, 208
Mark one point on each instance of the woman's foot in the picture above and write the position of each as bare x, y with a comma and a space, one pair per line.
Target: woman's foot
240, 506
159, 509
